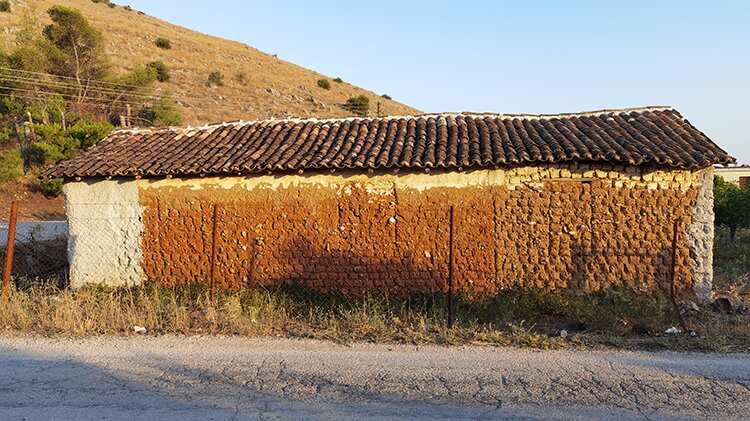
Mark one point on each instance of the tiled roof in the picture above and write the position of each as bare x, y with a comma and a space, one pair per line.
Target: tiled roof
645, 136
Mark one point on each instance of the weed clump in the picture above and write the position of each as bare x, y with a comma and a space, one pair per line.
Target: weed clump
215, 78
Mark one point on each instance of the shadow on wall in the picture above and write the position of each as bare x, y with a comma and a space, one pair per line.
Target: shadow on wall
317, 269
321, 270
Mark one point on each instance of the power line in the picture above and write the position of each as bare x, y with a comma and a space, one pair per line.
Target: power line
94, 81
61, 85
194, 102
52, 84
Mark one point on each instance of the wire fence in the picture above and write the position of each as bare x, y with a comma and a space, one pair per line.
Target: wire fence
221, 248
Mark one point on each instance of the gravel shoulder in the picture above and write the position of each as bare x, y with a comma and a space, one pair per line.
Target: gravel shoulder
217, 377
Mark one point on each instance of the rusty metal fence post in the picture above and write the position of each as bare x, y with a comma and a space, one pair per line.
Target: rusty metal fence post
450, 272
9, 247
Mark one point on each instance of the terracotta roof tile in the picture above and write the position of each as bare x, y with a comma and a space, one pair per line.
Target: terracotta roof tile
645, 136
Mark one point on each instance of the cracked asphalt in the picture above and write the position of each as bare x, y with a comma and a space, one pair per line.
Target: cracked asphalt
174, 377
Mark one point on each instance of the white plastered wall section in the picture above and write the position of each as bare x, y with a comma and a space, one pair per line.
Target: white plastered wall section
105, 226
700, 237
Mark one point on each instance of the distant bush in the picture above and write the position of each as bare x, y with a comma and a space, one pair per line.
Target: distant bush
162, 71
386, 96
358, 105
216, 78
4, 6
324, 83
241, 77
338, 80
11, 165
128, 8
163, 43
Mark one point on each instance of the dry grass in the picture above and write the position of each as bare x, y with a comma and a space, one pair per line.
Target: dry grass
257, 85
520, 318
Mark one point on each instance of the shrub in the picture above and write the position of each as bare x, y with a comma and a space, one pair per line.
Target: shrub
4, 6
386, 96
89, 133
241, 77
358, 105
128, 8
216, 78
51, 187
163, 43
324, 83
731, 203
5, 138
162, 71
55, 143
338, 80
44, 153
11, 165
163, 113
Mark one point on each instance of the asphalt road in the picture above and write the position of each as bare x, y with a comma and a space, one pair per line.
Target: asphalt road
174, 377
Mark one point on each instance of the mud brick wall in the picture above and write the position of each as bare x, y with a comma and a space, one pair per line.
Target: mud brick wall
549, 227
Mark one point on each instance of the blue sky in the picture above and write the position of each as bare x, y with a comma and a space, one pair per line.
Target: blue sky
510, 57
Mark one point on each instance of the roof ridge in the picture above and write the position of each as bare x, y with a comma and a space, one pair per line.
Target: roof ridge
395, 117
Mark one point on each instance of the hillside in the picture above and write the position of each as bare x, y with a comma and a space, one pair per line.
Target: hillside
256, 85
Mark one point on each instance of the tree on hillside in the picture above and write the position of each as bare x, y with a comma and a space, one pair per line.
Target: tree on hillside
77, 48
731, 205
67, 58
59, 95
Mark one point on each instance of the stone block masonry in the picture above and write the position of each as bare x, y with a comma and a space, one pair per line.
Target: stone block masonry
556, 226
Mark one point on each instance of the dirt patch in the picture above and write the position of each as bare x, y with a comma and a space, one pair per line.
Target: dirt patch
33, 205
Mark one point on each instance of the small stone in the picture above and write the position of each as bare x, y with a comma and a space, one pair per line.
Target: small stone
689, 307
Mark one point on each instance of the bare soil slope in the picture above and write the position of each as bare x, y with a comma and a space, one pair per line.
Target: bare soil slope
256, 85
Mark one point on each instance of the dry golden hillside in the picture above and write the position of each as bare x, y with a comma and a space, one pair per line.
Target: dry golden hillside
256, 84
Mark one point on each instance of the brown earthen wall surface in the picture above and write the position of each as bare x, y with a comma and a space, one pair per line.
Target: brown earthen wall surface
550, 234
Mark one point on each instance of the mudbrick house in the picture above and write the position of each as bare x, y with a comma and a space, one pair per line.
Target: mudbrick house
587, 200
